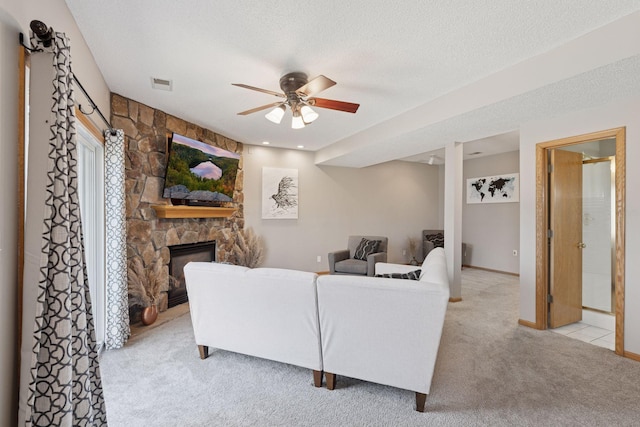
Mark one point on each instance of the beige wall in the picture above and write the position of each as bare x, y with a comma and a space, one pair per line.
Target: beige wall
491, 231
55, 14
8, 217
14, 18
395, 199
616, 114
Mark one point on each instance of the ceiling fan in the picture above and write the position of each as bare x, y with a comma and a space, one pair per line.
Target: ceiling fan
299, 96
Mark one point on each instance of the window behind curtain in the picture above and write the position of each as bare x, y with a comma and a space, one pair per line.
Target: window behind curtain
91, 197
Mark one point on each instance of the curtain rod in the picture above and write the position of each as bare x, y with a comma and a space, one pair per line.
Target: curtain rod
94, 107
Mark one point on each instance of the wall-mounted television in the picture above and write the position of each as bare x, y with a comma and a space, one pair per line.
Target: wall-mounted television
199, 174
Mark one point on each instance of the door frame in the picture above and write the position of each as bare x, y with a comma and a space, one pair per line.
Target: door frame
542, 225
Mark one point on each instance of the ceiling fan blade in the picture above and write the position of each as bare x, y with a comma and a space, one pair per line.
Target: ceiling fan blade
331, 104
316, 85
264, 107
270, 92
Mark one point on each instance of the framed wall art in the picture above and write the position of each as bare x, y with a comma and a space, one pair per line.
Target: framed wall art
494, 189
279, 193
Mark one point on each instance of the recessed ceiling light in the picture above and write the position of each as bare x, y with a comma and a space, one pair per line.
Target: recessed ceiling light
265, 142
300, 146
162, 84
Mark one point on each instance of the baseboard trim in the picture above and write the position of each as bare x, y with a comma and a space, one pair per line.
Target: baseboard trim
527, 324
632, 356
492, 270
458, 299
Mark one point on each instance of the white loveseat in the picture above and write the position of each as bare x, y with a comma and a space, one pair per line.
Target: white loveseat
385, 330
264, 312
382, 330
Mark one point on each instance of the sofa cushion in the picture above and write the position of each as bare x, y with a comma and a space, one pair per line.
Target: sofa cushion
351, 266
412, 275
263, 312
365, 248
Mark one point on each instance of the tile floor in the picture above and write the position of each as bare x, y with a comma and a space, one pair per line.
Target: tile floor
587, 333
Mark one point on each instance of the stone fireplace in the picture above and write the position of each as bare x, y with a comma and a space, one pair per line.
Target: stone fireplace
149, 237
180, 256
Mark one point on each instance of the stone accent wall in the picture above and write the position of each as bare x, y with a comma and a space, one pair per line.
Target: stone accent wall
146, 137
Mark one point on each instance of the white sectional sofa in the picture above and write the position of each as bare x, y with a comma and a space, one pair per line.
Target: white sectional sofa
382, 330
385, 330
263, 312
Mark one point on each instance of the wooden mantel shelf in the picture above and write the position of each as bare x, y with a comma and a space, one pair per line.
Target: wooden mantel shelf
170, 211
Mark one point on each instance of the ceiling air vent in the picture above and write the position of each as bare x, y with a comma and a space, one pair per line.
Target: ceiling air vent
161, 84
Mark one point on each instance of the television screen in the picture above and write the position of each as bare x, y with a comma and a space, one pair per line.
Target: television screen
199, 173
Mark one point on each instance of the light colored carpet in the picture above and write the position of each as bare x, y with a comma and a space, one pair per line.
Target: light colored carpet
490, 371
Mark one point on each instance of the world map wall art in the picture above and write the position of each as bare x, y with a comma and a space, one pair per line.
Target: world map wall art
494, 189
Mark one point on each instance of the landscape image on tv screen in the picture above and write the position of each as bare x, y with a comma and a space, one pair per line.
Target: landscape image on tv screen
197, 171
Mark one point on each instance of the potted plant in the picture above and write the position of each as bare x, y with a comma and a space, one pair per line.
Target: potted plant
144, 287
413, 250
248, 248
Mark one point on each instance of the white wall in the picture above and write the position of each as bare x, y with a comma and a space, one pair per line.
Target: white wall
15, 17
8, 219
491, 231
613, 115
395, 199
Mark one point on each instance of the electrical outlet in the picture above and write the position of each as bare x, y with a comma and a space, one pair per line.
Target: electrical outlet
515, 252
319, 259
404, 252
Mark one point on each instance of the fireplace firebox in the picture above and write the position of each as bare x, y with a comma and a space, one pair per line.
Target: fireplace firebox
180, 255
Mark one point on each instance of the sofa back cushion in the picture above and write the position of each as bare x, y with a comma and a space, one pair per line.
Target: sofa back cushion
265, 312
381, 330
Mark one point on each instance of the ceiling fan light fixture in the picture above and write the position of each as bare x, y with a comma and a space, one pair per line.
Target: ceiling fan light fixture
297, 122
276, 114
308, 115
298, 93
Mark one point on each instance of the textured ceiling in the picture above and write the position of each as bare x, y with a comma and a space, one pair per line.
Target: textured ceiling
394, 58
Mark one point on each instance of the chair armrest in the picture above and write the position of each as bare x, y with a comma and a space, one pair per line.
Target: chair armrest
388, 268
372, 259
336, 256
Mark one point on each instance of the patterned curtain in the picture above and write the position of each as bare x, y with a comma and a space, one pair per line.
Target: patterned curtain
65, 388
117, 330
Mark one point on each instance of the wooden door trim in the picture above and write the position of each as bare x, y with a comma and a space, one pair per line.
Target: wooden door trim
621, 173
542, 224
89, 125
24, 62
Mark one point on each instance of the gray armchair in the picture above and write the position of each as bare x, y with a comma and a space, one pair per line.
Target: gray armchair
343, 261
435, 239
431, 239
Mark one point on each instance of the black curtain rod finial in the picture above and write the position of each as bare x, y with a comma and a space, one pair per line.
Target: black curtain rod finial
44, 33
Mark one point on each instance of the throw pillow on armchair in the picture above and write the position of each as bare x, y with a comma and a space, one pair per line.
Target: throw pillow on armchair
365, 248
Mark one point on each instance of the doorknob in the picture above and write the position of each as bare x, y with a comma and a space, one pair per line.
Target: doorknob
581, 245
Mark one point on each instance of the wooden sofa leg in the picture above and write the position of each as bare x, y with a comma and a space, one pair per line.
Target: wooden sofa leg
421, 399
204, 351
317, 378
331, 380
